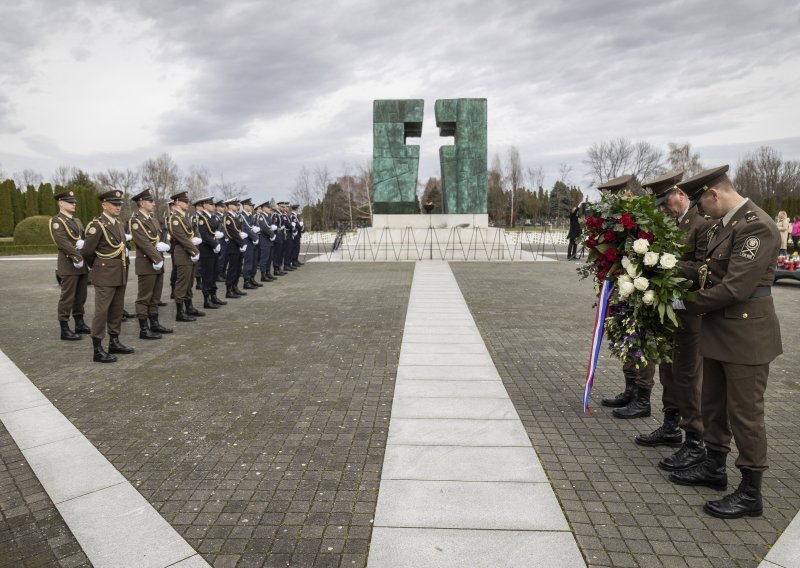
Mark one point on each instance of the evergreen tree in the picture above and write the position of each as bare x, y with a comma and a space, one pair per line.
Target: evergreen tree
560, 200
18, 203
6, 208
31, 202
47, 202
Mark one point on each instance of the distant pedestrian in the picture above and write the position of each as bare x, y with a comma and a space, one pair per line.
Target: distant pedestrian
574, 233
783, 229
795, 232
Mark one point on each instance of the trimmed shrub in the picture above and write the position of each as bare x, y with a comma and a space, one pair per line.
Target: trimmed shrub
33, 231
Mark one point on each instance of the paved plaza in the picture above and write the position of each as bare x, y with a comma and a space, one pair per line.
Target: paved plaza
353, 415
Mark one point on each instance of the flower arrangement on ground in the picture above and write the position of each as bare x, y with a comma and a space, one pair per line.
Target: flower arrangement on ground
636, 247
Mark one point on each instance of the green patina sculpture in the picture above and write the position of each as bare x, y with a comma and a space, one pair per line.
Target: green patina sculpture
396, 164
464, 176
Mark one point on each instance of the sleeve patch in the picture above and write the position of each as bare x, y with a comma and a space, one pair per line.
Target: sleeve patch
135, 225
750, 248
55, 225
175, 222
92, 230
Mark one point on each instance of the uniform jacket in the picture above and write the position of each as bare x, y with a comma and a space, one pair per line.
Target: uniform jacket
247, 223
105, 245
277, 220
180, 228
232, 228
294, 223
264, 223
66, 232
738, 328
146, 234
695, 228
206, 227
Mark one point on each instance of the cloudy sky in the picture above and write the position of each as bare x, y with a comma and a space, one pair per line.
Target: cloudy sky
253, 90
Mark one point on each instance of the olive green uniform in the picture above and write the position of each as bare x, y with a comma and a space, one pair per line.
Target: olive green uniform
67, 230
180, 229
105, 241
146, 233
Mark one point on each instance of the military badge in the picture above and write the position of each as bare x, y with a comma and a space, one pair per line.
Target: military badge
175, 222
135, 225
92, 230
751, 216
55, 225
750, 247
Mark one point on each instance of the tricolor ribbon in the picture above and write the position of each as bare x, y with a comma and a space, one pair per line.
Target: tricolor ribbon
597, 339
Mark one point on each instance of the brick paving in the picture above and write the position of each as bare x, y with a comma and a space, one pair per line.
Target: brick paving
32, 532
535, 319
258, 432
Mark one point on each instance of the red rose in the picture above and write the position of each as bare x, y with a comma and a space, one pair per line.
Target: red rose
626, 221
647, 236
609, 236
590, 221
611, 254
591, 242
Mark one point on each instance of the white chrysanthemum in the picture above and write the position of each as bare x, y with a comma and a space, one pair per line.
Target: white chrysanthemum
641, 246
649, 297
650, 258
668, 260
641, 283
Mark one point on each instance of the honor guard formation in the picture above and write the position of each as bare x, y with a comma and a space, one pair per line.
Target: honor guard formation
713, 390
220, 242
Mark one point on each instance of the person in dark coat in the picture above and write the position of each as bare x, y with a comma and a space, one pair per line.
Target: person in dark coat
574, 233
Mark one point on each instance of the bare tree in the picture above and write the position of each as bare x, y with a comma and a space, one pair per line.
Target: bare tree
612, 158
196, 182
227, 189
536, 177
27, 177
125, 181
63, 174
514, 178
302, 192
564, 171
2, 172
681, 158
161, 174
365, 177
320, 179
764, 174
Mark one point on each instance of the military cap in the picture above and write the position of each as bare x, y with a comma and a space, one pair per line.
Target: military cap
146, 195
232, 201
617, 184
662, 186
246, 201
114, 196
295, 206
705, 180
220, 203
181, 196
265, 204
206, 199
67, 195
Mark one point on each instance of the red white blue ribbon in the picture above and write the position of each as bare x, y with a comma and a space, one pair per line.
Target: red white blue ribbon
597, 339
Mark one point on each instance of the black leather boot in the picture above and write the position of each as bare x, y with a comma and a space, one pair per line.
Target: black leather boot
197, 285
208, 303
217, 300
157, 327
161, 304
172, 292
708, 473
126, 315
254, 283
229, 293
114, 346
288, 268
66, 333
248, 285
668, 434
191, 310
278, 272
236, 289
639, 407
100, 355
744, 502
265, 277
623, 398
145, 332
80, 325
298, 263
692, 452
181, 315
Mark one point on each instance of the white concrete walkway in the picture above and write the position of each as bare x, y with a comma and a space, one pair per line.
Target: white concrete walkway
461, 483
785, 553
113, 523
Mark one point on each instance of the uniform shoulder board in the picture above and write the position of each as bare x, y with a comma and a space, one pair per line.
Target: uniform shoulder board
751, 216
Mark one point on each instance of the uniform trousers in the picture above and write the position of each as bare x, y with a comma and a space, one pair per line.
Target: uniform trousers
184, 282
208, 270
733, 406
222, 260
265, 255
234, 265
683, 378
108, 305
643, 378
250, 260
296, 248
288, 251
277, 253
73, 296
149, 296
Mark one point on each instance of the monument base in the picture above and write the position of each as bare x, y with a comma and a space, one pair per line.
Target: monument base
436, 221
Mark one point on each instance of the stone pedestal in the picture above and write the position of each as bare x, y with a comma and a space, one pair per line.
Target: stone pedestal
436, 221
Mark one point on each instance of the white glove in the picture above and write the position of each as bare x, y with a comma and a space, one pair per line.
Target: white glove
218, 235
256, 229
162, 246
242, 248
195, 257
274, 227
158, 265
127, 253
79, 244
678, 305
196, 241
78, 264
302, 224
128, 236
255, 242
294, 224
217, 249
242, 234
272, 238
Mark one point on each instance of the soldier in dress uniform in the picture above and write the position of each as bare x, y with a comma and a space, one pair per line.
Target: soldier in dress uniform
185, 258
172, 208
279, 244
264, 222
740, 337
198, 275
249, 226
210, 247
221, 208
288, 244
146, 232
237, 245
297, 235
105, 246
67, 233
634, 401
682, 379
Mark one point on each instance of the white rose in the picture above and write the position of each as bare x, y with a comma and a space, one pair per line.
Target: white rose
641, 246
649, 297
625, 262
668, 260
632, 270
641, 283
650, 258
624, 278
625, 289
